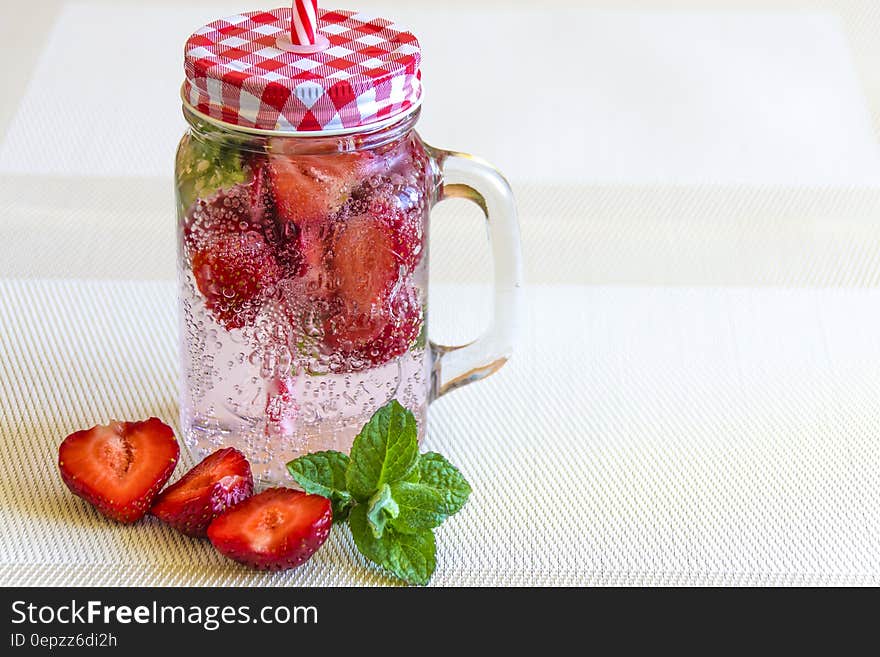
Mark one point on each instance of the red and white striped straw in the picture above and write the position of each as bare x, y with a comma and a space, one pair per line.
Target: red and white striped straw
304, 23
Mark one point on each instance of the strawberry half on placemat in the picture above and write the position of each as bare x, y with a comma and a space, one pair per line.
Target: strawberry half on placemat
219, 482
119, 468
278, 529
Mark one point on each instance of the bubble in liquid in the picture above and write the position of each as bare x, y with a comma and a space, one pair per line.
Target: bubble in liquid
267, 365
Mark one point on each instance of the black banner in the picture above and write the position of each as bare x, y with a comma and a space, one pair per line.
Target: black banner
157, 620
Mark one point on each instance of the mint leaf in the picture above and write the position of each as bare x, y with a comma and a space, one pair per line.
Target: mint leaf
412, 477
385, 451
438, 473
323, 473
412, 557
419, 507
381, 508
205, 165
320, 472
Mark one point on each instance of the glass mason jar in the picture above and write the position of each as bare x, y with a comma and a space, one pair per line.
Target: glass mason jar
303, 273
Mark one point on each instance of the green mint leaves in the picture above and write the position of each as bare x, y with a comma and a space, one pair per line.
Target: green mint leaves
381, 509
420, 507
412, 557
439, 474
323, 473
205, 165
392, 496
386, 450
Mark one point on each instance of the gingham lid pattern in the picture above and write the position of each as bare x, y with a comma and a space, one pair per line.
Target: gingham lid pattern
239, 72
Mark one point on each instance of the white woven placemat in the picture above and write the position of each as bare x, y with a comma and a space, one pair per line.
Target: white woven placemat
688, 436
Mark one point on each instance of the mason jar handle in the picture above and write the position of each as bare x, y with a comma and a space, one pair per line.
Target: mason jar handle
469, 177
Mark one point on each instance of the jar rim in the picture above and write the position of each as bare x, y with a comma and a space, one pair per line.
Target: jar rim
370, 127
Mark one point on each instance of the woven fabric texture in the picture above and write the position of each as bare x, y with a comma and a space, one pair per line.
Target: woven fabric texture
645, 435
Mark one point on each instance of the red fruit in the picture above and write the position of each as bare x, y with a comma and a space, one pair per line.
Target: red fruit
308, 191
394, 331
314, 187
280, 236
348, 332
365, 270
220, 481
239, 209
401, 208
401, 330
235, 273
363, 263
314, 236
228, 212
119, 468
278, 529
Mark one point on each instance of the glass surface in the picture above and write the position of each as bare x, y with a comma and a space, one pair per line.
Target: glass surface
303, 273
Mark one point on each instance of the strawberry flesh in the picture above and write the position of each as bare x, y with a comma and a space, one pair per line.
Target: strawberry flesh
308, 192
277, 529
281, 408
314, 187
400, 331
315, 276
119, 468
237, 248
363, 263
365, 270
228, 212
219, 482
235, 273
388, 335
280, 236
401, 209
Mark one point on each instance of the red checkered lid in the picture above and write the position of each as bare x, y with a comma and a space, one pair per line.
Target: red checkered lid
243, 70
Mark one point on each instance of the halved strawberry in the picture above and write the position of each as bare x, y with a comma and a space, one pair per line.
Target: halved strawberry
392, 331
278, 529
309, 190
235, 272
227, 212
347, 331
313, 241
240, 209
120, 467
400, 331
314, 187
363, 262
365, 270
220, 481
402, 209
280, 236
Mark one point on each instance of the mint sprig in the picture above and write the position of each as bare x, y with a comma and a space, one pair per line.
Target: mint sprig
412, 557
323, 473
385, 451
392, 496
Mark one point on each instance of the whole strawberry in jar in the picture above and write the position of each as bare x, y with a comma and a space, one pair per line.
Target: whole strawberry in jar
304, 195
